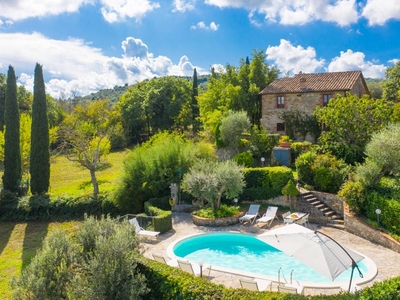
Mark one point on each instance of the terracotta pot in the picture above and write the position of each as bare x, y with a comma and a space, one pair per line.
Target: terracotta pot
284, 144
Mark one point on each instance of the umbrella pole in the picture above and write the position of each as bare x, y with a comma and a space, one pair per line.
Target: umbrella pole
353, 263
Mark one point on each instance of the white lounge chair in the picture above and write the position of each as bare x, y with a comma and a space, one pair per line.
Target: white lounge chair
291, 288
141, 231
251, 214
255, 284
194, 269
269, 216
161, 259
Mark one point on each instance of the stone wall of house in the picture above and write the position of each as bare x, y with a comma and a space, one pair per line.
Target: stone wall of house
359, 89
364, 230
304, 102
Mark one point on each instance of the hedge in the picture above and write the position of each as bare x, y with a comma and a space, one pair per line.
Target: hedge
161, 219
265, 183
167, 283
43, 208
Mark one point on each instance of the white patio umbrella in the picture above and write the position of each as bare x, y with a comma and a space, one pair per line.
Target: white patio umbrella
314, 249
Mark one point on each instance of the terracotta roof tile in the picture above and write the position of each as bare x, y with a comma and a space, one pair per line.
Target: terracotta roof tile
313, 82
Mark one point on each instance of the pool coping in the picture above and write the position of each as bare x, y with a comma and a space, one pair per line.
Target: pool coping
368, 277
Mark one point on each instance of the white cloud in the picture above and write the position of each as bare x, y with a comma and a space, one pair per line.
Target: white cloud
296, 12
289, 58
116, 11
73, 65
202, 25
378, 12
350, 61
21, 9
182, 6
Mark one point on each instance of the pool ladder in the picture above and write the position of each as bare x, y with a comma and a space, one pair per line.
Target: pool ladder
283, 276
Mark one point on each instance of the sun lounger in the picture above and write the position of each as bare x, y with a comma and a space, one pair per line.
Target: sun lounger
141, 231
194, 269
255, 284
161, 259
291, 288
251, 214
269, 215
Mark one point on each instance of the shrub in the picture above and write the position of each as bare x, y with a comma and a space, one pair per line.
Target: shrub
161, 219
354, 195
49, 273
304, 167
101, 263
244, 159
151, 168
265, 183
223, 212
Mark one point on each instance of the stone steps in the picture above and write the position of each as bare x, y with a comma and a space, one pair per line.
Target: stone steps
335, 220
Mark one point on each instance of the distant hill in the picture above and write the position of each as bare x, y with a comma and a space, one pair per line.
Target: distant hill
115, 93
375, 87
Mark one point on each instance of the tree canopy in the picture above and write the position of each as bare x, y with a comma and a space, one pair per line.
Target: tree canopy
350, 121
391, 86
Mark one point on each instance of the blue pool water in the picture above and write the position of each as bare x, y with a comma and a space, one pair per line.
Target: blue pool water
247, 253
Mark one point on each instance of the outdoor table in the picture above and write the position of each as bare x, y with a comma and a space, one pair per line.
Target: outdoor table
294, 217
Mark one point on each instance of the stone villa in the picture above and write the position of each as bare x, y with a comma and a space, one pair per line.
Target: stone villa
304, 92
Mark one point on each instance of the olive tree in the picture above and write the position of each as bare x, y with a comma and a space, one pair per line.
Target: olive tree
383, 156
210, 180
232, 128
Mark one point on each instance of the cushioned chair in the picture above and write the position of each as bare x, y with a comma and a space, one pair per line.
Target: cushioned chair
141, 231
251, 214
269, 216
255, 284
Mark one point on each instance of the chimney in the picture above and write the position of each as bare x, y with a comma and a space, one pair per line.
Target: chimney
303, 84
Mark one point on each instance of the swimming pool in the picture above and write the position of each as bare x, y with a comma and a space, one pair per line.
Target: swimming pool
244, 253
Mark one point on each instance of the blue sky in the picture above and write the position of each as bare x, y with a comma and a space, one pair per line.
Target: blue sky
87, 45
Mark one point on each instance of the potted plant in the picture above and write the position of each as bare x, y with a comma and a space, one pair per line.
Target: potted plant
285, 141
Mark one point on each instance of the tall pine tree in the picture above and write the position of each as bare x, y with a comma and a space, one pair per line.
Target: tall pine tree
195, 105
12, 152
39, 167
3, 86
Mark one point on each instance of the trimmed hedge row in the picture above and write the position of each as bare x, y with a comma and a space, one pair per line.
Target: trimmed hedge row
42, 208
161, 219
167, 283
265, 183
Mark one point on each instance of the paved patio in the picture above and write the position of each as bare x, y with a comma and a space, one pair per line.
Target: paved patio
385, 259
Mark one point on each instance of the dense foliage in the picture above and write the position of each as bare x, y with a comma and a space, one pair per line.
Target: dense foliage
236, 89
99, 263
12, 152
324, 172
152, 167
391, 86
351, 122
265, 183
232, 128
39, 165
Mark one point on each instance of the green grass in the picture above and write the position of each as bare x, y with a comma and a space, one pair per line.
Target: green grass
67, 178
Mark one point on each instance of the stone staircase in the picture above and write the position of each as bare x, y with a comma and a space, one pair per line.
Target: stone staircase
334, 219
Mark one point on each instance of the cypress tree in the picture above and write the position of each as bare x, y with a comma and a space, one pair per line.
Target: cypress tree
195, 106
39, 166
2, 99
12, 152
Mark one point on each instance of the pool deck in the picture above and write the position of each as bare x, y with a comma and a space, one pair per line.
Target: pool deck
385, 259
